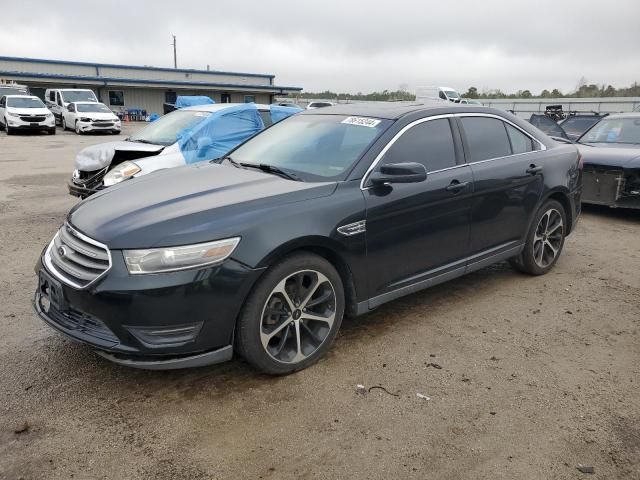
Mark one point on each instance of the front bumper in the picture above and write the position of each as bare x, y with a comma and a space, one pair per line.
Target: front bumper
93, 127
109, 315
614, 187
19, 124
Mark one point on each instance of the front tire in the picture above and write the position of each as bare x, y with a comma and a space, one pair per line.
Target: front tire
544, 241
292, 315
64, 125
7, 128
78, 131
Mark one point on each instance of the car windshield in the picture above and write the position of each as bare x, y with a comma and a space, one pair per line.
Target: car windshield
313, 147
13, 91
320, 104
578, 125
24, 102
452, 94
78, 96
166, 129
92, 107
614, 130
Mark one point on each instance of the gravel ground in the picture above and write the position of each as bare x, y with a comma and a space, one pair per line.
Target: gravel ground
527, 377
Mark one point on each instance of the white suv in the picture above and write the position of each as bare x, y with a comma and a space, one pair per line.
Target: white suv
90, 117
25, 112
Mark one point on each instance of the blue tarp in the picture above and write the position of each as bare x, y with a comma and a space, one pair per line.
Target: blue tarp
192, 101
219, 133
280, 112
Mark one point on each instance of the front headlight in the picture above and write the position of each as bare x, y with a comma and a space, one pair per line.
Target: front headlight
120, 172
48, 115
85, 119
11, 114
171, 259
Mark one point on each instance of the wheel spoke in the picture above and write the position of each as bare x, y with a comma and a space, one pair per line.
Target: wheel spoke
280, 288
538, 252
320, 279
553, 249
299, 355
266, 337
282, 341
317, 301
319, 318
316, 340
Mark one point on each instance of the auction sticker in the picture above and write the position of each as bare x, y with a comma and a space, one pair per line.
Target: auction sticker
361, 121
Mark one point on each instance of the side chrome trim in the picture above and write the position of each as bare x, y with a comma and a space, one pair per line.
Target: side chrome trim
353, 228
52, 269
374, 164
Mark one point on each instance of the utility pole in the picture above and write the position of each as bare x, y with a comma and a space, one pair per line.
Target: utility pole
175, 56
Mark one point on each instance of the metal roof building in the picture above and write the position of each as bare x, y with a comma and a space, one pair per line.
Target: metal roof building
125, 86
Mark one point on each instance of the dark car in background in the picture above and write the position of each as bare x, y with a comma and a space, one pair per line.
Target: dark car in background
611, 155
577, 123
330, 212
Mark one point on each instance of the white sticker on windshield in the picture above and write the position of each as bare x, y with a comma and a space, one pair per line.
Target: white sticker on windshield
361, 121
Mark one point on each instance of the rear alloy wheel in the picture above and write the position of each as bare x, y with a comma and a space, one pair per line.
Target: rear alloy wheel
544, 241
292, 316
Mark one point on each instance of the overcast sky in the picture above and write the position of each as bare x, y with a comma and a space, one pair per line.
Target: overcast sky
347, 45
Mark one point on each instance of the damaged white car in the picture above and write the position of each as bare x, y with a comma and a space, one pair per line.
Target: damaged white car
182, 137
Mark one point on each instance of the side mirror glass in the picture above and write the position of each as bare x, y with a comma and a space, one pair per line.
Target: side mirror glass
409, 172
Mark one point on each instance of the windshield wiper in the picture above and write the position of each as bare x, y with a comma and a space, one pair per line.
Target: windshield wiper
278, 171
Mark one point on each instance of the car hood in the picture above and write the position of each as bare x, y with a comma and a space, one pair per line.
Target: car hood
97, 115
99, 156
186, 205
611, 155
28, 111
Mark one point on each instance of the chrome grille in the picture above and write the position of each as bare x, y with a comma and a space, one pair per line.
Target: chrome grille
76, 259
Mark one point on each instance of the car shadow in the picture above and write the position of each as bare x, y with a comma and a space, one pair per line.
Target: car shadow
603, 211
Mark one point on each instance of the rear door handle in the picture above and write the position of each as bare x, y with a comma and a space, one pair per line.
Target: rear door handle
534, 170
455, 186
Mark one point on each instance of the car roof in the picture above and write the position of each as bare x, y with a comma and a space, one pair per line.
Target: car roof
88, 103
214, 107
395, 110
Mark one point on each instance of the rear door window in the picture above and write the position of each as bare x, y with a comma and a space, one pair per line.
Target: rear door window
486, 137
429, 143
520, 143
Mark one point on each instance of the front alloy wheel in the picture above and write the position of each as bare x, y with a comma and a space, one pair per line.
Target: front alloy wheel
298, 316
292, 315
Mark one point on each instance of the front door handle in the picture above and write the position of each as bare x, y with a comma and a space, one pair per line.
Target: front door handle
455, 186
534, 170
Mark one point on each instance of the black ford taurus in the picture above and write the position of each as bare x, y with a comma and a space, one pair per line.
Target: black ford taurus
329, 213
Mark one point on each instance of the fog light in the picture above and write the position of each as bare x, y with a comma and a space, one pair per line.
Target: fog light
166, 336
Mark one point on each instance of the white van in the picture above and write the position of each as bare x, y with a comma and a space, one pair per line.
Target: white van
437, 93
57, 99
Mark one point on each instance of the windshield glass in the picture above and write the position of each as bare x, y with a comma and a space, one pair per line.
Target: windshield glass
452, 94
614, 130
166, 129
578, 125
24, 102
314, 147
92, 107
4, 90
78, 96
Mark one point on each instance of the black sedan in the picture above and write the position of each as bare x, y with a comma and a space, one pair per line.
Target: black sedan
334, 211
611, 155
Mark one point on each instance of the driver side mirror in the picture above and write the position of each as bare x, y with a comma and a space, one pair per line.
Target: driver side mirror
408, 172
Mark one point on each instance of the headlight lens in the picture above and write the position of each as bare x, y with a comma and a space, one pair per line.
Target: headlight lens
171, 259
11, 114
120, 172
49, 115
85, 119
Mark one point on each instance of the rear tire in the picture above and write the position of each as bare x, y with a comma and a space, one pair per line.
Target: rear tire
292, 315
545, 240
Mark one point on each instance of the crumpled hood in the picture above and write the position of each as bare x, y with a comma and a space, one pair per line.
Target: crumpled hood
99, 156
97, 115
611, 156
186, 205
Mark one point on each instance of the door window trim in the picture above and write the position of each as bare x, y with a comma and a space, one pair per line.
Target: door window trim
404, 129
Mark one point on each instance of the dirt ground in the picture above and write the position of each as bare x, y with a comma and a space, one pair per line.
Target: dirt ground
527, 377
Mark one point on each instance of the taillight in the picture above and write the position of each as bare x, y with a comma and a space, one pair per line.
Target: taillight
580, 162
